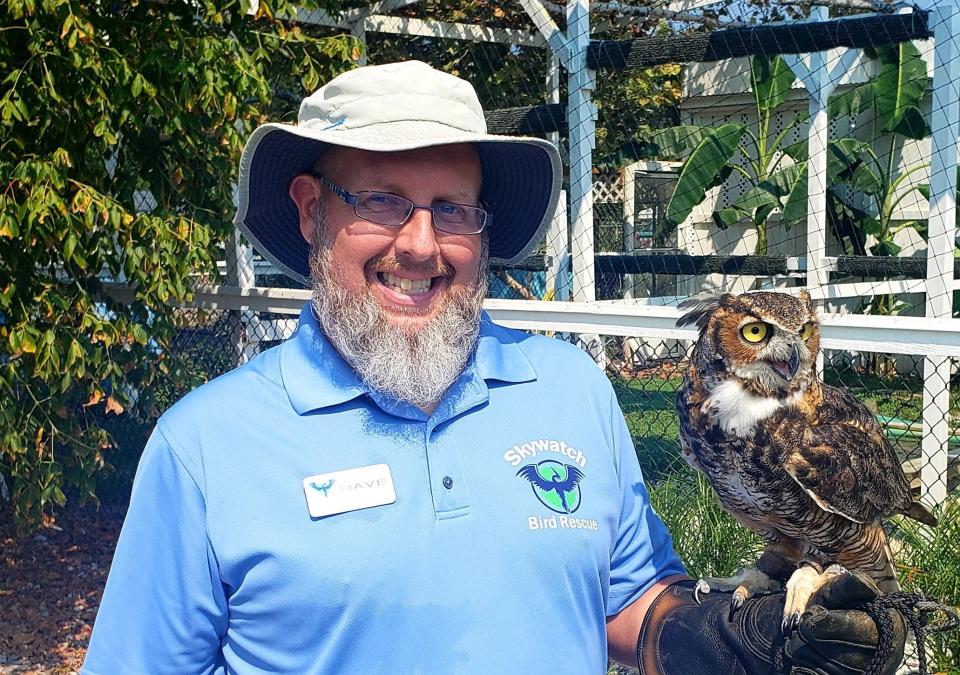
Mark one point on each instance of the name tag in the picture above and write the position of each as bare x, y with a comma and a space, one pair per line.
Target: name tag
349, 490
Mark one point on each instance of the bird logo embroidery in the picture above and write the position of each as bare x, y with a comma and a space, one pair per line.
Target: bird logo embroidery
556, 485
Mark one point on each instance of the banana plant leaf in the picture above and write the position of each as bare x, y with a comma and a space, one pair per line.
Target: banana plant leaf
771, 80
867, 180
799, 151
759, 201
676, 142
745, 208
900, 85
850, 163
706, 167
896, 93
852, 101
912, 125
844, 156
795, 209
845, 219
886, 247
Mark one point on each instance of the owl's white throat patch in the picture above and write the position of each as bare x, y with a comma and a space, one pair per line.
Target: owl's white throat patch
736, 411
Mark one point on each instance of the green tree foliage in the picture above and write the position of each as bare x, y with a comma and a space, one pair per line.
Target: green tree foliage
101, 105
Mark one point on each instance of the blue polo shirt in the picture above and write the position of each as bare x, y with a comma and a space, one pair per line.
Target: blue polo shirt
519, 522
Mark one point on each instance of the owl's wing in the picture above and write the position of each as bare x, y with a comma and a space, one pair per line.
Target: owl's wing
846, 464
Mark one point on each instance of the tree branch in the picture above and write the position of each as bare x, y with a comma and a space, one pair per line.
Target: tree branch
524, 292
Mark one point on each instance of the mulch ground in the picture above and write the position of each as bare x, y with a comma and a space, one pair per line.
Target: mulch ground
50, 587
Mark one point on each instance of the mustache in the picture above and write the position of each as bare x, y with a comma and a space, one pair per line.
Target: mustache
391, 264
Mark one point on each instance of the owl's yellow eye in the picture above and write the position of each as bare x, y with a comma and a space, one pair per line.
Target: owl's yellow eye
755, 331
806, 331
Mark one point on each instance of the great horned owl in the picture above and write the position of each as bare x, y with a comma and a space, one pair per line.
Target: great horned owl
801, 463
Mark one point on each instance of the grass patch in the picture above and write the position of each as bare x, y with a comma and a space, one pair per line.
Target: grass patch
928, 560
649, 408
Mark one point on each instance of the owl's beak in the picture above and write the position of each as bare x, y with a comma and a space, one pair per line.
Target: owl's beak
794, 361
788, 367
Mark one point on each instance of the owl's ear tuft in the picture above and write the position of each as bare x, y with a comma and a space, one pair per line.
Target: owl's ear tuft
700, 307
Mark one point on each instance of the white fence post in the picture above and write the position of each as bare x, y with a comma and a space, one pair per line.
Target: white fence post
558, 235
240, 273
359, 31
581, 113
945, 110
819, 81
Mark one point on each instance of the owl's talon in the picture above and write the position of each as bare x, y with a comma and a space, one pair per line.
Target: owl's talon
701, 587
736, 601
790, 623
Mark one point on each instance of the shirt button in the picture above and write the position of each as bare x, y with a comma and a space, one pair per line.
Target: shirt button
447, 482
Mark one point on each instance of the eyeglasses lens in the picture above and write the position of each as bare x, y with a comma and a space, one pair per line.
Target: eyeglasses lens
384, 208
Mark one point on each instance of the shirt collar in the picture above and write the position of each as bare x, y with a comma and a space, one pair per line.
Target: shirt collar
315, 375
499, 356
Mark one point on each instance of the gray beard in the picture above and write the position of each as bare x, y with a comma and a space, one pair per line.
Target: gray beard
416, 365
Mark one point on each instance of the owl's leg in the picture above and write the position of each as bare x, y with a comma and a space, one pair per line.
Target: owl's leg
801, 586
746, 583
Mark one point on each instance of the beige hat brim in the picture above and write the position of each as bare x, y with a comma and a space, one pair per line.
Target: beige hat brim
521, 183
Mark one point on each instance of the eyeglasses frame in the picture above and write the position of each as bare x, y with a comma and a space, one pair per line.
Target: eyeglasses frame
352, 198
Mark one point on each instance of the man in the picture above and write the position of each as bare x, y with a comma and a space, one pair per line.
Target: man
404, 486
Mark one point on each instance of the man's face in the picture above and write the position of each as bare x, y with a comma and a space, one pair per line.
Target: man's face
402, 305
410, 271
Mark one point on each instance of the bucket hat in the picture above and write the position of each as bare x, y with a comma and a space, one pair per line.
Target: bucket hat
390, 108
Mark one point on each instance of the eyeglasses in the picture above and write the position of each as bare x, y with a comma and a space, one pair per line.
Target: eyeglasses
390, 210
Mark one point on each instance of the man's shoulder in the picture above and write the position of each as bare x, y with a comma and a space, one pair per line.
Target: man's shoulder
230, 395
549, 354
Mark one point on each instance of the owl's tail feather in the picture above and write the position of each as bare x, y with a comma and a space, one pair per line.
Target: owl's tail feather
871, 554
886, 577
919, 512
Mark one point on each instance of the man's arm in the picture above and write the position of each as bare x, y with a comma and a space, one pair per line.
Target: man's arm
673, 634
623, 630
164, 608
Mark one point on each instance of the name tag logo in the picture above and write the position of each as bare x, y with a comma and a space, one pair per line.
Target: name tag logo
322, 488
349, 490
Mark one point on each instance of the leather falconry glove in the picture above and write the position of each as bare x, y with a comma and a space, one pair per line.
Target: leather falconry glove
680, 636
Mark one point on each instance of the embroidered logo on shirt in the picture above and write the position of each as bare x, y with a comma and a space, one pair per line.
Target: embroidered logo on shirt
531, 449
556, 485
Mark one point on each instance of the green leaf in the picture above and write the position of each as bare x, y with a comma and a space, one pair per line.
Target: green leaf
69, 245
867, 180
844, 155
795, 209
744, 208
853, 101
780, 183
798, 152
675, 142
702, 169
871, 226
912, 125
901, 84
771, 80
136, 87
885, 248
